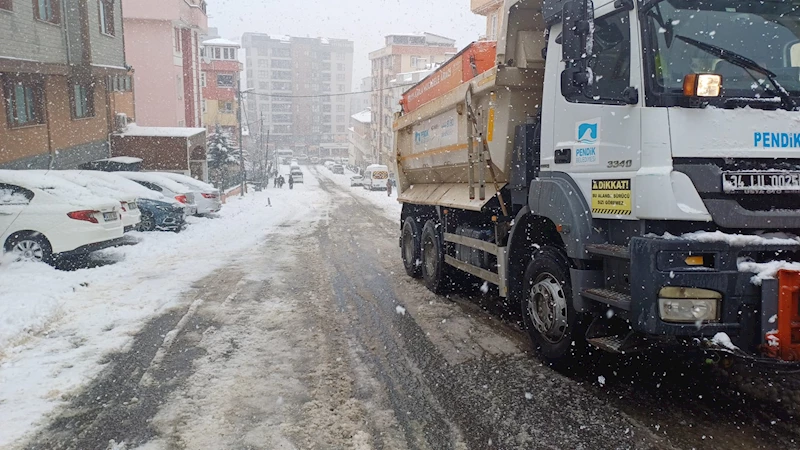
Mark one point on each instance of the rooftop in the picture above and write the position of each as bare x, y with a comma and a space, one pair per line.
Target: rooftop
136, 130
221, 42
364, 116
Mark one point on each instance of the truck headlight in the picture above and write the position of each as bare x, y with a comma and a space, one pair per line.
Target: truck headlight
688, 305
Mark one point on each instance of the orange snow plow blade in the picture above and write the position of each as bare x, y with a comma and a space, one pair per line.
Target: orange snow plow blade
788, 334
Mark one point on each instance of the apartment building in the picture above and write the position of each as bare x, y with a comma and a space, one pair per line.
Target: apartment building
64, 77
163, 46
219, 81
402, 54
493, 11
360, 152
300, 88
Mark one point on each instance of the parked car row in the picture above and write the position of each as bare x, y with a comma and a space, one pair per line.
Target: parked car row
48, 215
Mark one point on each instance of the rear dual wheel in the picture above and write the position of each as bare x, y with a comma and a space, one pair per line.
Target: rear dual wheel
410, 239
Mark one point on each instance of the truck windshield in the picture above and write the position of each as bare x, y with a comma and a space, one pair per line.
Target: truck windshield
768, 32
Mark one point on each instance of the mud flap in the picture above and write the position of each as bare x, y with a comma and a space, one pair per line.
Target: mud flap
784, 341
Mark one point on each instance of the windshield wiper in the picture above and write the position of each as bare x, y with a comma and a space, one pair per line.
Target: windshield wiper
745, 63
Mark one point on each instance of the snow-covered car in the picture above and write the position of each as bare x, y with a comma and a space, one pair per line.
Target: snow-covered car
328, 164
159, 183
356, 180
131, 216
207, 197
337, 169
314, 160
158, 212
45, 217
297, 175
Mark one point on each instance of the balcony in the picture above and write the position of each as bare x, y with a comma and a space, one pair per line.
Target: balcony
484, 7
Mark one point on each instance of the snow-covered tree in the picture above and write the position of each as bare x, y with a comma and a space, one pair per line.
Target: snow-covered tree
223, 158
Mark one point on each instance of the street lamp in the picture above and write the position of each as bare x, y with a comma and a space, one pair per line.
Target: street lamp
239, 93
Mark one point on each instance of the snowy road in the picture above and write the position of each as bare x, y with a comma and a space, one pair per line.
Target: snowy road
312, 337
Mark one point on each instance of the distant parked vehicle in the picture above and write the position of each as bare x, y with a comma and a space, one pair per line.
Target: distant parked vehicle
329, 164
131, 216
376, 176
337, 169
165, 186
43, 218
115, 164
356, 180
207, 197
314, 160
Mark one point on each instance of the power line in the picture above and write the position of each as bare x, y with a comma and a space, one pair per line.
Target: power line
341, 94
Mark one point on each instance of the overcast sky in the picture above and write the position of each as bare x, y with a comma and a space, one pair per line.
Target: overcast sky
365, 22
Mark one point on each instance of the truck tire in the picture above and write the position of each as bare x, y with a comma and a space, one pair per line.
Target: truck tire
555, 328
410, 247
434, 269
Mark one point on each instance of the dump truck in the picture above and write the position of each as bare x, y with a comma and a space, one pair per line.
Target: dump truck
627, 172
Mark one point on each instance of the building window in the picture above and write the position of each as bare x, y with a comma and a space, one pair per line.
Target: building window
340, 67
202, 79
339, 108
8, 5
493, 27
24, 101
340, 77
229, 53
82, 100
226, 107
106, 8
263, 74
340, 128
225, 80
263, 63
263, 85
47, 10
281, 75
204, 106
340, 88
177, 40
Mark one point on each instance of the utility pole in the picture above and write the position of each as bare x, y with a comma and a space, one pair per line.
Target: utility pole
241, 136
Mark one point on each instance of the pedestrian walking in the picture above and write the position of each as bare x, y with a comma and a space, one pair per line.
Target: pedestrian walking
276, 181
291, 182
281, 181
389, 188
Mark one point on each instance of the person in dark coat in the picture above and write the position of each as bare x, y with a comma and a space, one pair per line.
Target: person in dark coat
281, 181
276, 181
291, 181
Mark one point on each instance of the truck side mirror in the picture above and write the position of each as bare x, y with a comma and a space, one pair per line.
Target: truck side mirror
576, 48
577, 34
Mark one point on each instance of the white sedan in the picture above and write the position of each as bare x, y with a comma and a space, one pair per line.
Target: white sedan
44, 217
356, 180
159, 183
131, 216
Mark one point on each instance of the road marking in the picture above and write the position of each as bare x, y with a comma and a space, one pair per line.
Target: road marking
169, 340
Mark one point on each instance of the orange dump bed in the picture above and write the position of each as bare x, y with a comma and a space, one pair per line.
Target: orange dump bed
474, 60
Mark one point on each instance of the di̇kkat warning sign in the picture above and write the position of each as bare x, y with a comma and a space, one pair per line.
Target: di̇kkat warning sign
611, 197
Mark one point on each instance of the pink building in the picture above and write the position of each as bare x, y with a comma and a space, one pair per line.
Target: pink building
162, 43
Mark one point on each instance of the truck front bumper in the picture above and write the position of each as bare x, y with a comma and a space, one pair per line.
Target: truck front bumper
746, 312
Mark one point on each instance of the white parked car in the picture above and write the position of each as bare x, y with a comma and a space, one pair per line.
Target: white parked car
45, 217
131, 216
356, 180
297, 175
159, 183
207, 197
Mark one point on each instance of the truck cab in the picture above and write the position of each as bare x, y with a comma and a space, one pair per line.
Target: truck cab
628, 172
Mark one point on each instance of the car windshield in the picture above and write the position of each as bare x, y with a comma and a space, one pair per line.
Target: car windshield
767, 32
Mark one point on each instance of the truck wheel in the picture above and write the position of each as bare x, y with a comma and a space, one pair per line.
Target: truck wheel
434, 271
410, 250
552, 322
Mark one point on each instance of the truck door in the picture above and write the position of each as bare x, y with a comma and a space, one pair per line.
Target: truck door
597, 130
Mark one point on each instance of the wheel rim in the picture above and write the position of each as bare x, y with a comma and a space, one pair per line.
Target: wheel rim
147, 223
547, 308
408, 247
430, 255
29, 250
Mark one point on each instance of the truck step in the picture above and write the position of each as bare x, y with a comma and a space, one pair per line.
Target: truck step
609, 297
609, 250
619, 344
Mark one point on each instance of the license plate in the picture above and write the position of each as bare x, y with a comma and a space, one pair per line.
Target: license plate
761, 182
110, 217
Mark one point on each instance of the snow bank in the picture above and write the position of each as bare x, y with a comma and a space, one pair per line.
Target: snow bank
56, 327
765, 271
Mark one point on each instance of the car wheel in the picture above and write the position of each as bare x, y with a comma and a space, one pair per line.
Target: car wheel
30, 247
435, 272
147, 222
410, 247
555, 328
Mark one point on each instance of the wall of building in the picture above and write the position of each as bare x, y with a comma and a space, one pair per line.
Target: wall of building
106, 50
32, 39
158, 153
157, 79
